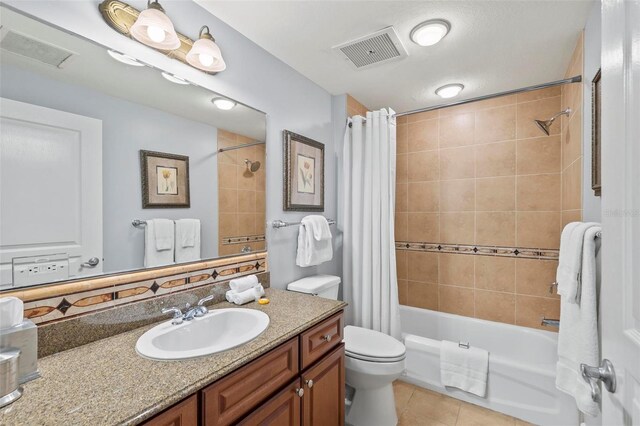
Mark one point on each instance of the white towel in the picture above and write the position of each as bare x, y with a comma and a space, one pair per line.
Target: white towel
250, 295
465, 369
187, 240
578, 334
159, 242
245, 283
570, 260
11, 311
311, 250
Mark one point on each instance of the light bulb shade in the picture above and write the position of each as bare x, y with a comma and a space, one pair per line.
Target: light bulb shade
150, 27
205, 54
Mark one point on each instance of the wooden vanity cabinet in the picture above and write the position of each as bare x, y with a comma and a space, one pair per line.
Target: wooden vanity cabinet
300, 382
184, 413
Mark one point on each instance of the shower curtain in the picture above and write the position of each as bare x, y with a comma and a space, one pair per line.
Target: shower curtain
368, 182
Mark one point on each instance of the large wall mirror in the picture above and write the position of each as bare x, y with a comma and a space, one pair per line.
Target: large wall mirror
96, 146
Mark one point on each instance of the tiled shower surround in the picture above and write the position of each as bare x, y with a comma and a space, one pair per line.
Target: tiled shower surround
241, 195
482, 196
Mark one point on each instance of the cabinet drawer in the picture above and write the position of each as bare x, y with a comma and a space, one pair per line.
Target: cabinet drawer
184, 413
229, 399
281, 410
320, 339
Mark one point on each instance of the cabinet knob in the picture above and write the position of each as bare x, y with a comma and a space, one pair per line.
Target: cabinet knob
309, 383
300, 392
327, 337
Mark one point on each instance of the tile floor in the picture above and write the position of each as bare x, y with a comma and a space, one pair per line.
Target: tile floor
421, 407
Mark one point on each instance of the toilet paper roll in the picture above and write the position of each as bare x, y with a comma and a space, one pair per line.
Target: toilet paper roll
11, 311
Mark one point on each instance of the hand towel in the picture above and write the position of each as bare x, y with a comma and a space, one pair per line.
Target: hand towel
245, 283
250, 295
463, 368
312, 251
320, 227
159, 242
11, 311
187, 240
570, 261
578, 334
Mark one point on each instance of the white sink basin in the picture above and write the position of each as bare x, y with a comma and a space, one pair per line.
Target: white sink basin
217, 331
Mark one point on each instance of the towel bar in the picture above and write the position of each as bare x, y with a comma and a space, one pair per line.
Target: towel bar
277, 224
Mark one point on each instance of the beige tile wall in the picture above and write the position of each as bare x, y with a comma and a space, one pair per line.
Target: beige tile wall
354, 107
241, 195
572, 141
484, 174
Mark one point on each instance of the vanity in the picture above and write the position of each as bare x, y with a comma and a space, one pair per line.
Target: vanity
293, 373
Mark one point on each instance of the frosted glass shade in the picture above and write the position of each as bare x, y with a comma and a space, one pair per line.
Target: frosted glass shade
206, 56
155, 29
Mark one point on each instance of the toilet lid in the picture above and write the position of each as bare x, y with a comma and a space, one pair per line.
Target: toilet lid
370, 345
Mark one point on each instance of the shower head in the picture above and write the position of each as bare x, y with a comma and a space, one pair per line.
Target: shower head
252, 166
545, 125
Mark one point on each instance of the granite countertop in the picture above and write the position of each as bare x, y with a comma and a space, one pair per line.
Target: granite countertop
107, 382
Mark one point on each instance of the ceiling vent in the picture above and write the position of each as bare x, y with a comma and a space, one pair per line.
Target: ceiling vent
373, 49
35, 49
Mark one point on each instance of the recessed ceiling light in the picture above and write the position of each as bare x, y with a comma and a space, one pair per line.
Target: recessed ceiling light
449, 90
223, 103
174, 78
430, 32
125, 59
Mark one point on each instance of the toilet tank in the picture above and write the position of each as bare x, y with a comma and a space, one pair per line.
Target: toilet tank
318, 285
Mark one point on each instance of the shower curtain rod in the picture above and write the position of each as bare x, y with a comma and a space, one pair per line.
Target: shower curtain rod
231, 148
576, 79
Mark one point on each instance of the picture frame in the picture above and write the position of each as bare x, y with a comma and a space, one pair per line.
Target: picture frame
165, 180
596, 141
303, 173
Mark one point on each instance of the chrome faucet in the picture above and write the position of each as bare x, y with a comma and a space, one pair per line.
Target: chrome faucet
177, 314
190, 313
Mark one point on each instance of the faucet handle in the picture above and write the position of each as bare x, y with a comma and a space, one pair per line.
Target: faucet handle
177, 314
205, 300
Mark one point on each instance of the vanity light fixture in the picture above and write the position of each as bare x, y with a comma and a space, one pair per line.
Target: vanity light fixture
449, 90
174, 78
154, 28
125, 59
223, 103
430, 32
205, 53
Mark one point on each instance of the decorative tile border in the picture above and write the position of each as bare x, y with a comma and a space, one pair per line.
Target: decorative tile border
74, 303
242, 239
522, 252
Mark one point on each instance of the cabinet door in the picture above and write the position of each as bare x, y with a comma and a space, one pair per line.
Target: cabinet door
281, 410
184, 413
323, 384
321, 339
233, 397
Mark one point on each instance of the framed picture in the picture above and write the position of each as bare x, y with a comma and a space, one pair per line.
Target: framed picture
596, 148
303, 173
165, 180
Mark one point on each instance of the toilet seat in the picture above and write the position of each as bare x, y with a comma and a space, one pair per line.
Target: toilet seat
372, 346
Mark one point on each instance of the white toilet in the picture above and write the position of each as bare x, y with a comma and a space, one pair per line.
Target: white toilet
373, 361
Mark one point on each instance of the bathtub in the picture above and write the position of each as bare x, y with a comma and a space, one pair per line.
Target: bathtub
521, 364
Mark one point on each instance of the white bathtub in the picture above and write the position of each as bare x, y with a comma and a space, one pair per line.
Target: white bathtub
521, 364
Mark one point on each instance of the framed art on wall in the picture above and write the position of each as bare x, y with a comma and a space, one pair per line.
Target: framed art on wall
303, 173
165, 180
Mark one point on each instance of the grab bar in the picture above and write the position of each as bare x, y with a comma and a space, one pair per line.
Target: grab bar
548, 322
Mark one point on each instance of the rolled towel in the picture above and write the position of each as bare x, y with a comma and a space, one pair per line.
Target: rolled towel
249, 295
11, 311
245, 283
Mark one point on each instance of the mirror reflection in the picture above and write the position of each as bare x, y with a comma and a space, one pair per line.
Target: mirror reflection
108, 165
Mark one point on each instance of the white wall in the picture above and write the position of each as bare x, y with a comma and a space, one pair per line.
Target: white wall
253, 76
592, 41
128, 127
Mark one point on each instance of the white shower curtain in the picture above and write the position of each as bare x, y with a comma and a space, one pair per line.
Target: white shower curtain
367, 221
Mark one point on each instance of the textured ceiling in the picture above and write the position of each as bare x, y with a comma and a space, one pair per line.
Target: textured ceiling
493, 46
